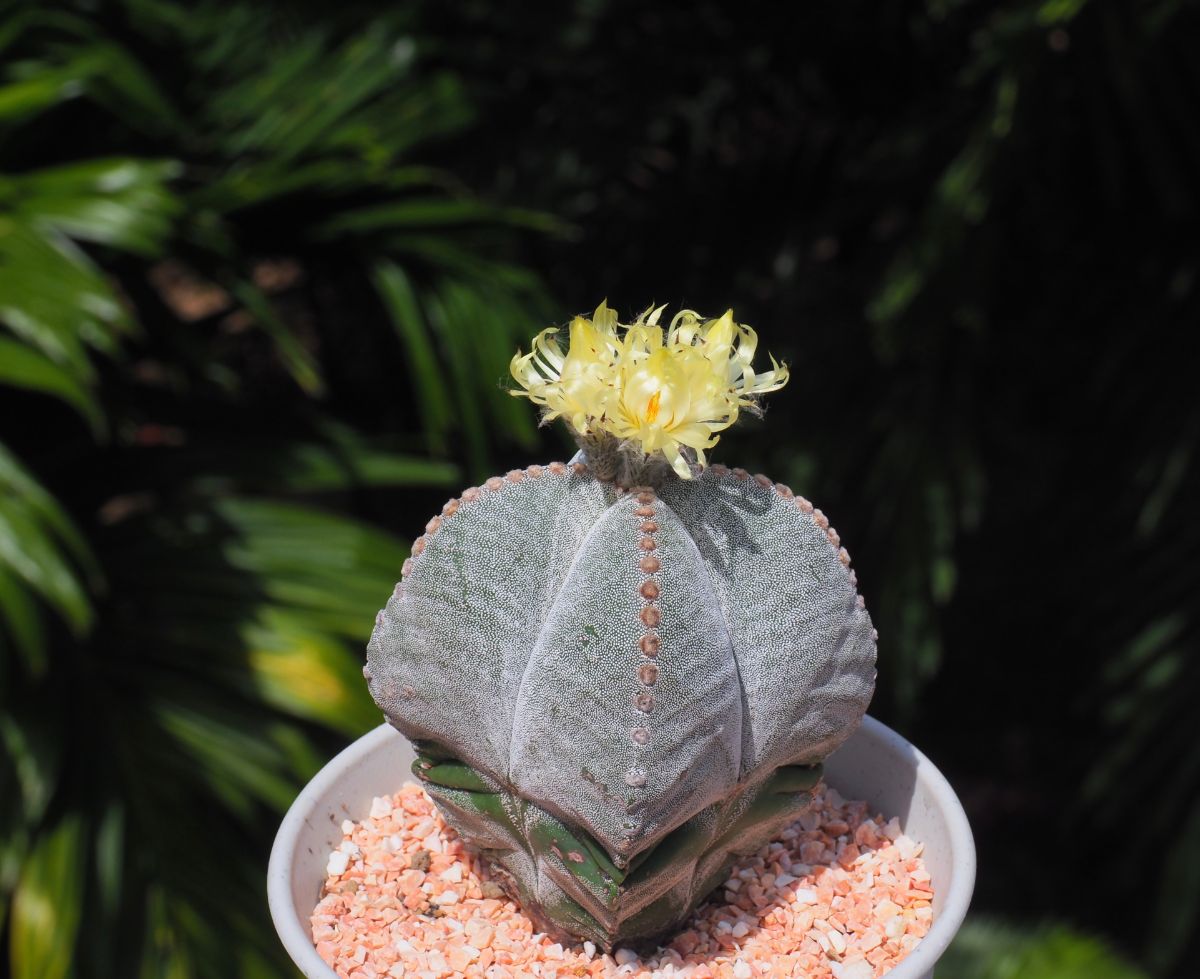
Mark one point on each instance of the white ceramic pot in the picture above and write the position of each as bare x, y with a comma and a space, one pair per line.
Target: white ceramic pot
876, 764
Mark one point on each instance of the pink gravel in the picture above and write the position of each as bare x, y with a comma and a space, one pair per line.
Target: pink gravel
839, 895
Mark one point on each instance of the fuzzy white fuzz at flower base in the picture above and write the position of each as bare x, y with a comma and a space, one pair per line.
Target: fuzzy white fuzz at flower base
650, 390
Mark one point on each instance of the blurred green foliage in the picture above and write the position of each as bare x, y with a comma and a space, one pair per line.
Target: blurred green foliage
237, 308
986, 949
261, 271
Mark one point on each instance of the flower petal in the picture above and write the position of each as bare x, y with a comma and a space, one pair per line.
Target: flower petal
660, 389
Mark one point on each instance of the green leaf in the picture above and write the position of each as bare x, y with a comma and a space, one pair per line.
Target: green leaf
486, 313
30, 554
110, 857
299, 362
52, 296
121, 202
304, 673
20, 615
29, 741
21, 99
48, 904
404, 311
311, 468
431, 212
470, 411
229, 753
23, 367
988, 949
17, 480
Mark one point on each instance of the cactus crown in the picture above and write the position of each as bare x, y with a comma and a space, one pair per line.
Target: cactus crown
615, 691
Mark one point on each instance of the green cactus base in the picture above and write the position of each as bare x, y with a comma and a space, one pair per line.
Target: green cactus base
565, 881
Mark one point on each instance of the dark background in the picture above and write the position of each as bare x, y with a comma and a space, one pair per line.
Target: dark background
261, 272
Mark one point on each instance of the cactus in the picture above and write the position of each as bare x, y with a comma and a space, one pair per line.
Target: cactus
615, 690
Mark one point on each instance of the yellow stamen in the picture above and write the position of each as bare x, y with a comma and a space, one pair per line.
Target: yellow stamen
652, 407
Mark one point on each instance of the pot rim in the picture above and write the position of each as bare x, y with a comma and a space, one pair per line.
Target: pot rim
956, 892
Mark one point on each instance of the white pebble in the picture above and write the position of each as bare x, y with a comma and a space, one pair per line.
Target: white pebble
396, 971
894, 927
625, 956
338, 862
589, 949
432, 843
742, 970
452, 874
380, 806
347, 827
741, 930
350, 848
804, 895
837, 941
784, 879
448, 897
892, 829
859, 969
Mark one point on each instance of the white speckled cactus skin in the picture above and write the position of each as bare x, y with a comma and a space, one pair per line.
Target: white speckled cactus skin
615, 692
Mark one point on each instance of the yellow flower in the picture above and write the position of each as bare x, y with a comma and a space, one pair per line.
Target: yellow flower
662, 390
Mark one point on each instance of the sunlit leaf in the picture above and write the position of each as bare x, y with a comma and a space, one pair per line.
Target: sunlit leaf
48, 903
121, 202
52, 297
299, 670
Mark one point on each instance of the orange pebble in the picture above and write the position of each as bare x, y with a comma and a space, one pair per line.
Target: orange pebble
870, 904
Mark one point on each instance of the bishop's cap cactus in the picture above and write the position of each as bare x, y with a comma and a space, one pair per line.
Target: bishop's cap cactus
623, 672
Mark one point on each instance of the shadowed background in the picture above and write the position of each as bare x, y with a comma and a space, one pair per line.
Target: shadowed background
261, 273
